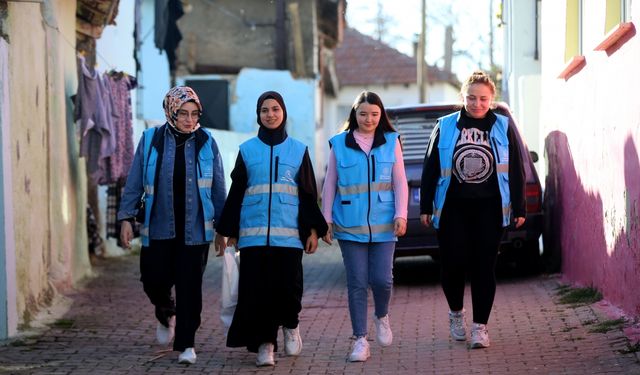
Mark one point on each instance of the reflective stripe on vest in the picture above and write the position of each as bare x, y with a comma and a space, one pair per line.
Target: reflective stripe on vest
262, 231
275, 188
364, 205
269, 213
364, 188
449, 134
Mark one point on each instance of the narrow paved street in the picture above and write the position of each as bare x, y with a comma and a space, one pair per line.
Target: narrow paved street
110, 329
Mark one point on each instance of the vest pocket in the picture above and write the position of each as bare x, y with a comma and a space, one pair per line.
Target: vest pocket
352, 212
252, 199
384, 170
205, 161
386, 206
348, 171
289, 199
286, 171
386, 196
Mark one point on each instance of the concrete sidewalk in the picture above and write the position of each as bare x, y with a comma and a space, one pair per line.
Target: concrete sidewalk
110, 329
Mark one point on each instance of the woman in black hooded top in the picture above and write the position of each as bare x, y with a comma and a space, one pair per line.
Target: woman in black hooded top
273, 184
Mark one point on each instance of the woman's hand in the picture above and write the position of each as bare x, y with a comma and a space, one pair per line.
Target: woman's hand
399, 226
312, 242
126, 234
519, 221
329, 236
426, 220
220, 244
232, 241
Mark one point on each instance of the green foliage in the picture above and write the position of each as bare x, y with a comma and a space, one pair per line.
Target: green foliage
608, 325
578, 296
63, 323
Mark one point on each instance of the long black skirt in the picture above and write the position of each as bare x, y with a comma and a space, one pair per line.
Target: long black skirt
269, 295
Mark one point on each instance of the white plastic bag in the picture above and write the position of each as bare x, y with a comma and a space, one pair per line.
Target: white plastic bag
230, 276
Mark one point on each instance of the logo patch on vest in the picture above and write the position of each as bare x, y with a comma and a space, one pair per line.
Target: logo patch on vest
504, 156
385, 175
287, 177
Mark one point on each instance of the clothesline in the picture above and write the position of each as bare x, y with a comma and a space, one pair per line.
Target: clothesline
73, 45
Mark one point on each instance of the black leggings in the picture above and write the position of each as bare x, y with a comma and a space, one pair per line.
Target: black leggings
166, 263
469, 236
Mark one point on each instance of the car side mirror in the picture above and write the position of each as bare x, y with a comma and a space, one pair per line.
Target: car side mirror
534, 156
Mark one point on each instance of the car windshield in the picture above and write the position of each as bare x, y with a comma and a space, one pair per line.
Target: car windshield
415, 130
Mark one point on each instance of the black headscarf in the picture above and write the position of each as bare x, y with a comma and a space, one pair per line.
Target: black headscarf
275, 136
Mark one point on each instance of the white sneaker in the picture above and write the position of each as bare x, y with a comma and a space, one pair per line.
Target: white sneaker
360, 351
458, 325
479, 336
384, 336
265, 355
187, 357
292, 341
164, 335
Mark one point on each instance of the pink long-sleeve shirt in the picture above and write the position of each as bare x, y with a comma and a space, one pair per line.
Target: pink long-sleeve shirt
399, 178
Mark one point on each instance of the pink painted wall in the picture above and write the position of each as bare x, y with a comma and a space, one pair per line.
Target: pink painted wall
592, 126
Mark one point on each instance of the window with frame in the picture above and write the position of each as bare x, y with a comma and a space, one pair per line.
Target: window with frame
573, 32
618, 28
214, 97
617, 12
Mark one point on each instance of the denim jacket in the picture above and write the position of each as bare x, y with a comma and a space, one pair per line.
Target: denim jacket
204, 191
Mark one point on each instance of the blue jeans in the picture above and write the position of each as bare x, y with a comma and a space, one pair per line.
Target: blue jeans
367, 264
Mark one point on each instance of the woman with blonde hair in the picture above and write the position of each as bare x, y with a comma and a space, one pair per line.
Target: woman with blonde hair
472, 188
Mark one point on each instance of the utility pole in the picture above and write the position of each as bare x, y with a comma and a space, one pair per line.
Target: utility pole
491, 37
448, 48
420, 55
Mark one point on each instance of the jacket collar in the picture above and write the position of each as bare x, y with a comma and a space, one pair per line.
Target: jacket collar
201, 139
158, 137
272, 137
378, 140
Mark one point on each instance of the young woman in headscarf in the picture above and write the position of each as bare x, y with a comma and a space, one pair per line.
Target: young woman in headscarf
273, 184
178, 169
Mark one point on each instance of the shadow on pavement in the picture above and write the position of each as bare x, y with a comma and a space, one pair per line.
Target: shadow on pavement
423, 270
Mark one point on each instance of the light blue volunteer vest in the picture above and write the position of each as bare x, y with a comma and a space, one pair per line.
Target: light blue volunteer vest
269, 213
205, 181
364, 205
449, 134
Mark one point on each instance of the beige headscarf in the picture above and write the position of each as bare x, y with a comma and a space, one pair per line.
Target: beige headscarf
174, 99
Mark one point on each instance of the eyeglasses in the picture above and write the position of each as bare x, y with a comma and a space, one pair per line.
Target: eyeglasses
183, 115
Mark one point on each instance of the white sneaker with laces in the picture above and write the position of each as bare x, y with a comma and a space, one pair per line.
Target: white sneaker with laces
479, 336
360, 351
164, 335
188, 357
458, 325
384, 336
265, 355
292, 341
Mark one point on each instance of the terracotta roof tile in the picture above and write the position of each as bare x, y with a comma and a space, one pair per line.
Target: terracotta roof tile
363, 60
